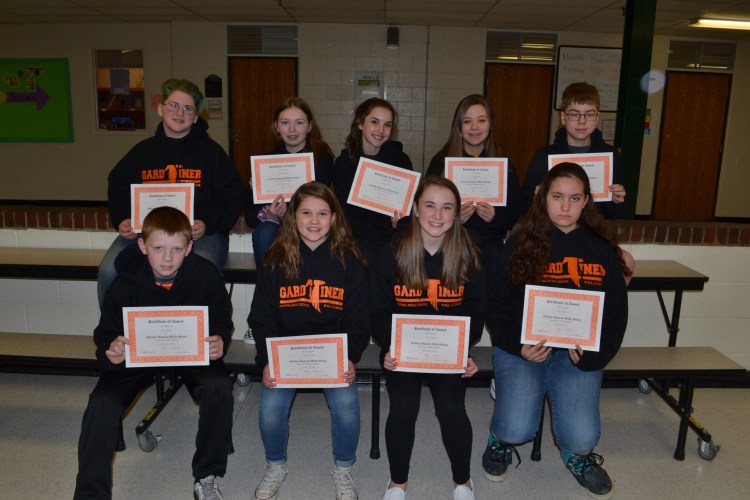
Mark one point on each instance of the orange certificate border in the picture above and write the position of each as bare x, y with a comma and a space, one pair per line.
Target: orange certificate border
339, 340
258, 162
590, 343
199, 313
607, 158
399, 321
364, 165
138, 189
502, 173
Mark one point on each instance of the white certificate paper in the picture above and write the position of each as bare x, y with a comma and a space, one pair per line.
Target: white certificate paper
166, 336
146, 197
273, 175
309, 360
479, 179
430, 343
563, 317
598, 167
383, 188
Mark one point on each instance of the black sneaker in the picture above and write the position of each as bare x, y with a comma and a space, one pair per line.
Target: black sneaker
588, 472
496, 458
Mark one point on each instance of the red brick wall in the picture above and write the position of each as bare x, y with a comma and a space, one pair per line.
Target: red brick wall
672, 233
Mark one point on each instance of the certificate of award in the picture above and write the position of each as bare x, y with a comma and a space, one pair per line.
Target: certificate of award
308, 360
273, 175
146, 197
166, 336
479, 179
383, 188
598, 167
563, 317
430, 344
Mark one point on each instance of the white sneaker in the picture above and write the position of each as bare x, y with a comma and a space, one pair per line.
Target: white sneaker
492, 387
248, 338
393, 493
271, 482
461, 492
345, 489
207, 489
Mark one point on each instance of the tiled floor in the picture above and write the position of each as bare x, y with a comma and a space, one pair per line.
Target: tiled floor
40, 418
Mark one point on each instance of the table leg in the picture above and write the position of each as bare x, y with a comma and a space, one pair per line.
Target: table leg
375, 429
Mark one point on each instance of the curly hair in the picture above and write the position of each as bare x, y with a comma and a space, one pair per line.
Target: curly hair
532, 232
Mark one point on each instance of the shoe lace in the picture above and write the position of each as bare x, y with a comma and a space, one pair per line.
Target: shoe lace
498, 451
271, 478
344, 482
209, 486
578, 464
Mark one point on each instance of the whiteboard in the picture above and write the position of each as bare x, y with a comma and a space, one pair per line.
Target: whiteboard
599, 66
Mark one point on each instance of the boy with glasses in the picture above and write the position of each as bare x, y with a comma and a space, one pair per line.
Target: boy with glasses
579, 117
179, 152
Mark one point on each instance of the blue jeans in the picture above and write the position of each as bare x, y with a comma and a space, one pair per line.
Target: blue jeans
274, 408
520, 387
214, 248
263, 235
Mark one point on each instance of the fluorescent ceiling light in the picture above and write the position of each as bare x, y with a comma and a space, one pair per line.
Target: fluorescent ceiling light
727, 24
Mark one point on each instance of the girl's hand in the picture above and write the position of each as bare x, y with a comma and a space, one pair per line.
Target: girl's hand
116, 352
389, 363
267, 380
199, 229
485, 211
575, 354
618, 193
535, 353
467, 210
126, 230
351, 374
277, 209
395, 218
470, 369
215, 347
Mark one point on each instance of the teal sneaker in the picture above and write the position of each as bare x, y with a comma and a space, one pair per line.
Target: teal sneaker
588, 471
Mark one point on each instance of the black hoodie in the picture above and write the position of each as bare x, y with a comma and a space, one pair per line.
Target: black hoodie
197, 283
196, 158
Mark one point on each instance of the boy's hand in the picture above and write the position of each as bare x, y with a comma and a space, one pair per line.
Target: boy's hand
215, 347
116, 352
199, 229
618, 193
485, 211
126, 230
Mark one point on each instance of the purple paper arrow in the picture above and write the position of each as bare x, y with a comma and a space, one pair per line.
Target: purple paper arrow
40, 97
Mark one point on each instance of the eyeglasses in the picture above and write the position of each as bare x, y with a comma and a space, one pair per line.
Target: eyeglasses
174, 106
588, 116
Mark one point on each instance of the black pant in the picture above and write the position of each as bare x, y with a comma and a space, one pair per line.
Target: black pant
448, 393
115, 391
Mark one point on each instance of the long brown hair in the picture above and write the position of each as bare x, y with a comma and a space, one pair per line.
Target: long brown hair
284, 251
461, 256
532, 232
455, 144
353, 142
314, 142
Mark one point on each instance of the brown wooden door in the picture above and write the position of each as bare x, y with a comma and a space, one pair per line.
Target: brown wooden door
521, 99
256, 87
692, 135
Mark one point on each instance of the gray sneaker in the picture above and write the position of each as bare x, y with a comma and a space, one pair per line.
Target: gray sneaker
271, 482
207, 489
345, 489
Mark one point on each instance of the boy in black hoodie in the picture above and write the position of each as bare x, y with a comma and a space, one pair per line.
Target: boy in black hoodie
161, 271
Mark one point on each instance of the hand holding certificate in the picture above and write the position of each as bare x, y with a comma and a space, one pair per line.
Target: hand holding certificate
479, 179
273, 175
383, 188
166, 336
430, 344
308, 360
146, 197
598, 167
562, 317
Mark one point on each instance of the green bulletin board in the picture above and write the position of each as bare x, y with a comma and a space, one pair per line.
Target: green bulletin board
35, 101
